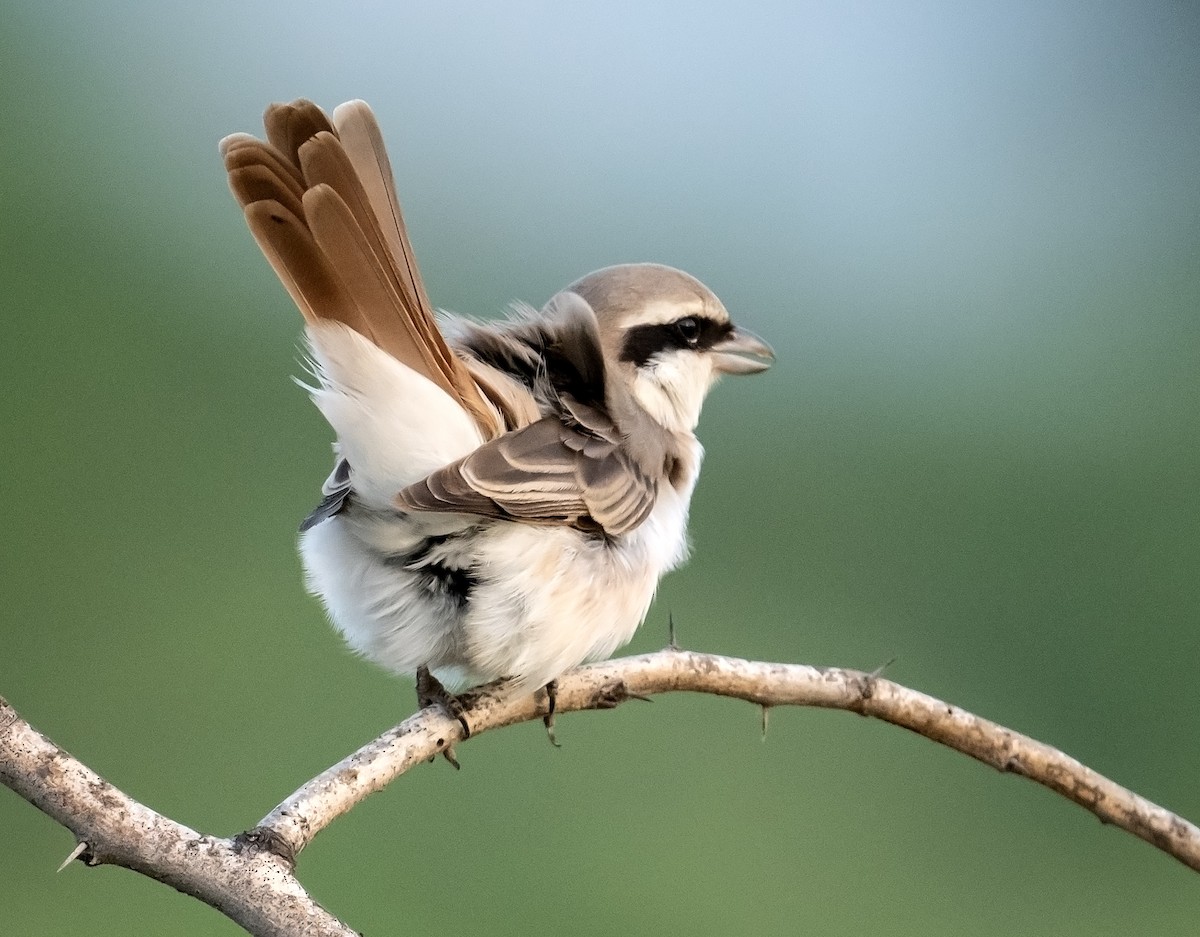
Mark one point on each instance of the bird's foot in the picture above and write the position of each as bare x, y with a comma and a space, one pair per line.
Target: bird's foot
551, 690
430, 692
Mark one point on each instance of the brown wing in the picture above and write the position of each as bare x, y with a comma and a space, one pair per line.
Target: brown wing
548, 473
320, 200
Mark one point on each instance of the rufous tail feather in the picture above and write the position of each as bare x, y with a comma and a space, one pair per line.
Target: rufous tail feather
320, 199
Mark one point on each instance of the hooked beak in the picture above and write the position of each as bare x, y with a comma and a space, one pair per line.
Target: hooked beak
742, 352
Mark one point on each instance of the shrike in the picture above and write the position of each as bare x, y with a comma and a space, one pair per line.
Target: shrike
506, 495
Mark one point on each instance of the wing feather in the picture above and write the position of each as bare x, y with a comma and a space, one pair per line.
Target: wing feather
548, 473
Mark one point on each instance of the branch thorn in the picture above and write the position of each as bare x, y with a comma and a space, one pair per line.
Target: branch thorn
79, 850
878, 671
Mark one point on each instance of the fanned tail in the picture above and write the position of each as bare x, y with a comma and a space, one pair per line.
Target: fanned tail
320, 199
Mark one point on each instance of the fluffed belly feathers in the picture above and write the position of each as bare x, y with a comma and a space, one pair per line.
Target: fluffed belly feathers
476, 601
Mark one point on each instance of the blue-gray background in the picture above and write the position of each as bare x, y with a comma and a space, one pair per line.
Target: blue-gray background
970, 231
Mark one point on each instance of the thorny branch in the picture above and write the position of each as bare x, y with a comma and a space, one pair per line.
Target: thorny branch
250, 877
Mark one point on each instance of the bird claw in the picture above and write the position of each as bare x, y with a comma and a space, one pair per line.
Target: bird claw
551, 689
430, 692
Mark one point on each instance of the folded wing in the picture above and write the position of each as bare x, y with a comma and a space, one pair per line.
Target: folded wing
571, 472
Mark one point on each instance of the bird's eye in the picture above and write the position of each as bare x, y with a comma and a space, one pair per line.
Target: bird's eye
688, 329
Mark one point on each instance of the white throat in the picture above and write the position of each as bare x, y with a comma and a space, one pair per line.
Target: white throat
672, 390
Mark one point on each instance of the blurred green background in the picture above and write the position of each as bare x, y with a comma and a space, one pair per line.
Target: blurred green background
970, 231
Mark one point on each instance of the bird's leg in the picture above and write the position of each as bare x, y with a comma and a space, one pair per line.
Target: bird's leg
430, 692
551, 689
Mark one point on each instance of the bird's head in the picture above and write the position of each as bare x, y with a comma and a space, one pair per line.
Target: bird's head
667, 337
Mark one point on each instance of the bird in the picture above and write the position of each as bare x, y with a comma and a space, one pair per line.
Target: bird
506, 494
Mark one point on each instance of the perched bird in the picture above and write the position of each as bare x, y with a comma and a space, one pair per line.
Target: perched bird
506, 495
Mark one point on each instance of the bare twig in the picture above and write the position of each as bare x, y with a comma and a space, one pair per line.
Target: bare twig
298, 819
249, 877
250, 884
